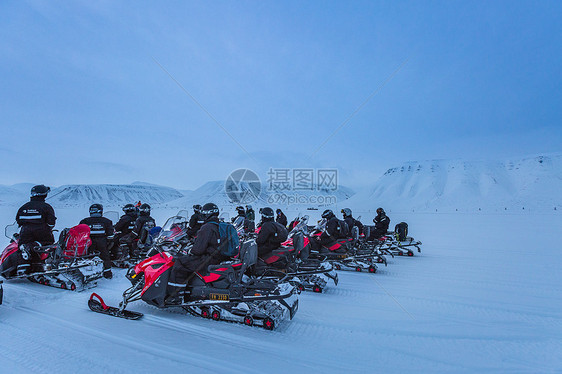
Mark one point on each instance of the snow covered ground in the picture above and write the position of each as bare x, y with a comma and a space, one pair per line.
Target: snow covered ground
484, 295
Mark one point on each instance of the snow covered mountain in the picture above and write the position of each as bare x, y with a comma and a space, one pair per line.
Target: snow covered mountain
111, 194
533, 183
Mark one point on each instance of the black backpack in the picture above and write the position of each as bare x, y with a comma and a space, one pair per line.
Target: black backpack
401, 231
281, 233
344, 229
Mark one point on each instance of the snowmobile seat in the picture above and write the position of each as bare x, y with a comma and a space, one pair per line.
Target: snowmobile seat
355, 233
235, 266
223, 273
298, 242
248, 255
367, 231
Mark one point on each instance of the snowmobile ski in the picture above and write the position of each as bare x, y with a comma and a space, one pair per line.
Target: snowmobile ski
96, 304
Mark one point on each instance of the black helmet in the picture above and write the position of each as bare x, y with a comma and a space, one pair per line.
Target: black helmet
197, 208
144, 209
267, 214
278, 211
40, 190
129, 208
96, 210
209, 210
380, 211
327, 214
346, 212
240, 210
249, 207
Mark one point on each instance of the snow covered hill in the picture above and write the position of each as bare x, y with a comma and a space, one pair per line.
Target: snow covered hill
15, 194
111, 194
533, 183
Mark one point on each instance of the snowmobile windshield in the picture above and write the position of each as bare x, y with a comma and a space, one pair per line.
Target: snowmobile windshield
12, 231
183, 213
238, 223
321, 226
301, 226
173, 230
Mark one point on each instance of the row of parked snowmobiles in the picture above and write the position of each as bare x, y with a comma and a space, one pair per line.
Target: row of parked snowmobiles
246, 289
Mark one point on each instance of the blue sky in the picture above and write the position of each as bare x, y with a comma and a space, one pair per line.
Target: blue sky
83, 98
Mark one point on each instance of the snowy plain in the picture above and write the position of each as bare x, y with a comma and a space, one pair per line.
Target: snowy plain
485, 295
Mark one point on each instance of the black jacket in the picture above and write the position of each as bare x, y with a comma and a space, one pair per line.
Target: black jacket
251, 215
333, 227
195, 223
206, 245
282, 219
36, 213
270, 237
381, 223
207, 240
126, 223
100, 227
351, 222
140, 222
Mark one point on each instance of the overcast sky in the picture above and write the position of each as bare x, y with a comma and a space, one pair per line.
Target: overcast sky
84, 97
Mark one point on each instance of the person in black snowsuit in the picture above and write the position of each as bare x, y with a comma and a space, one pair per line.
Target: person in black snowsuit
36, 220
331, 233
100, 229
139, 234
195, 221
351, 222
382, 222
281, 217
251, 219
126, 222
205, 251
123, 228
270, 237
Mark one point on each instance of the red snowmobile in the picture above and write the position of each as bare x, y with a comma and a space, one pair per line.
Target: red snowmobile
345, 253
66, 264
221, 293
292, 260
396, 243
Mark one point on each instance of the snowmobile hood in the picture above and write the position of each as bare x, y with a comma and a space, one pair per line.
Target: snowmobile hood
153, 267
8, 251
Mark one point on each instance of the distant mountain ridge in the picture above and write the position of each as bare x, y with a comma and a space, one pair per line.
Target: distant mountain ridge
111, 194
458, 185
530, 183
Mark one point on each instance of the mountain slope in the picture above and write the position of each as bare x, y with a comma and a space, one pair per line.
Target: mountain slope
457, 185
111, 194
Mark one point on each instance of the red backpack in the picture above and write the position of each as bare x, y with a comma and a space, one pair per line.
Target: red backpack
77, 241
